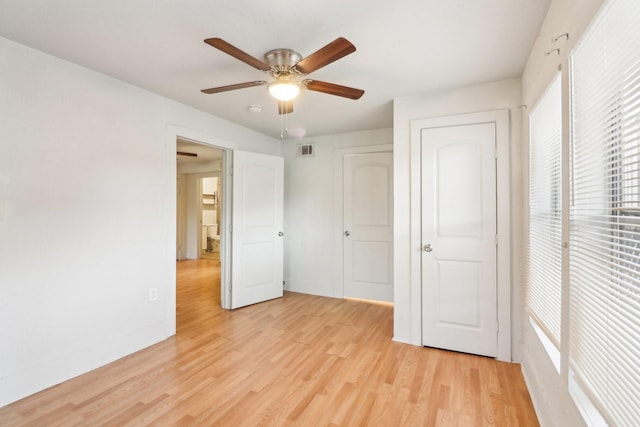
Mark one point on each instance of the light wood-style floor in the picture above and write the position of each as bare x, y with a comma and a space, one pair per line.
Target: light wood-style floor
299, 360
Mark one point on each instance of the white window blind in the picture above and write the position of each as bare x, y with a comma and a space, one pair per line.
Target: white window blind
604, 254
545, 211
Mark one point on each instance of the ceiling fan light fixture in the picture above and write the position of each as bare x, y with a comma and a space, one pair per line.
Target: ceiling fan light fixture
287, 67
284, 90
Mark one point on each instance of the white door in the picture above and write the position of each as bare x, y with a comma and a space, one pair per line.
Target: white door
257, 228
459, 285
368, 226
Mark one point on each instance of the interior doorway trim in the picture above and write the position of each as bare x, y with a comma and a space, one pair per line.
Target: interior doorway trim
503, 208
338, 227
172, 135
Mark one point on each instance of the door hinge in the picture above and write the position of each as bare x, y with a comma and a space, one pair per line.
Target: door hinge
230, 228
497, 326
496, 240
495, 152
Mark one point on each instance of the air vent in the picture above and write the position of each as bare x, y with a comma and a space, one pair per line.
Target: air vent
305, 150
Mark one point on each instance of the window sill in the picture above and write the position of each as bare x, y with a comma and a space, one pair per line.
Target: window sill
551, 349
587, 409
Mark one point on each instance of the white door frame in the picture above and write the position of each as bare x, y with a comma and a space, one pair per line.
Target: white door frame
338, 226
172, 135
503, 193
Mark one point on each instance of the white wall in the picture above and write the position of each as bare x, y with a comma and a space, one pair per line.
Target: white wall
312, 225
194, 227
484, 97
181, 213
88, 178
552, 401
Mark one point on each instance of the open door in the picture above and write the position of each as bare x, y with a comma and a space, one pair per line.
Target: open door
257, 228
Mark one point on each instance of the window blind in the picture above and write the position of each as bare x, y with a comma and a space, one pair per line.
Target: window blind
545, 211
604, 251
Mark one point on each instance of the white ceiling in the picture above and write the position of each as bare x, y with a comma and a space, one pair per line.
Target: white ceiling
406, 47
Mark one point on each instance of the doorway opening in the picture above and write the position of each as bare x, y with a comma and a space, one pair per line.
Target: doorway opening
209, 197
201, 217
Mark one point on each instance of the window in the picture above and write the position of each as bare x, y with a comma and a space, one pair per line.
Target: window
604, 249
545, 212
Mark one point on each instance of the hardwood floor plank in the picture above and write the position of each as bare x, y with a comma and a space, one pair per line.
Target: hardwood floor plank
298, 360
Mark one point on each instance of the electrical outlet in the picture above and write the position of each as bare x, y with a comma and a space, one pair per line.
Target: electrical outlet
153, 294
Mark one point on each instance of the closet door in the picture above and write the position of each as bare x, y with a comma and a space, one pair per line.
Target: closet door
459, 240
368, 226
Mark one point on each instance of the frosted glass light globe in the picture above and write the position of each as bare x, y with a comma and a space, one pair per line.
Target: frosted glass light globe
284, 91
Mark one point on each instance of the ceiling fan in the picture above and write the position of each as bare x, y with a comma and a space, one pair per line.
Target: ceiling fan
184, 153
287, 66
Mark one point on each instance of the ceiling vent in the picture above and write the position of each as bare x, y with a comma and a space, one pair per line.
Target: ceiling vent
305, 150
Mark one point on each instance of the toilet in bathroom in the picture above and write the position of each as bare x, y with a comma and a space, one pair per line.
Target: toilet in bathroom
213, 238
210, 231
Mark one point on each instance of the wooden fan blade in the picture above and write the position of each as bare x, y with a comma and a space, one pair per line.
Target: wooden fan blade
233, 87
237, 53
184, 153
335, 50
333, 89
285, 107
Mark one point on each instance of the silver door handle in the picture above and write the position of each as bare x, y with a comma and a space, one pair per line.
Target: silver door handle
347, 233
427, 247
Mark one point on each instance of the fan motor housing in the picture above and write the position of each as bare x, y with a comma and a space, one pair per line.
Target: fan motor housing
282, 59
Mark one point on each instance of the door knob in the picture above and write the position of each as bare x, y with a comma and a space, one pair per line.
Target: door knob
427, 247
347, 233
280, 233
